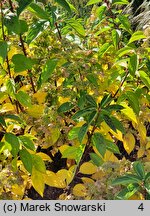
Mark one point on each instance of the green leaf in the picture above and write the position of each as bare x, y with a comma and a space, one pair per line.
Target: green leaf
23, 26
48, 69
91, 101
147, 177
35, 30
26, 159
99, 142
115, 38
10, 87
101, 11
80, 151
23, 98
145, 78
137, 36
73, 133
2, 121
82, 132
133, 64
93, 79
93, 2
118, 124
12, 23
133, 101
105, 100
76, 26
103, 49
22, 63
27, 142
70, 152
127, 179
97, 160
127, 192
125, 23
14, 164
109, 122
22, 5
38, 11
114, 107
82, 99
118, 2
112, 147
64, 4
3, 51
65, 107
91, 117
14, 117
83, 112
14, 142
38, 163
139, 169
124, 51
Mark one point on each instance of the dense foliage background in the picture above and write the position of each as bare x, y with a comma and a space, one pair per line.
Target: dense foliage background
74, 99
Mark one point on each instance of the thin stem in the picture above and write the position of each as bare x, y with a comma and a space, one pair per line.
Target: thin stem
86, 151
121, 84
7, 60
59, 33
11, 6
4, 38
29, 71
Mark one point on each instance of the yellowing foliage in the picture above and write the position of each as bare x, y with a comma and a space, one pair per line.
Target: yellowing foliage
60, 179
79, 190
7, 107
128, 112
40, 96
36, 111
129, 142
37, 179
88, 168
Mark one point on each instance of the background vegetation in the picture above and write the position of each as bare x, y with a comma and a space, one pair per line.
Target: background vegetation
74, 100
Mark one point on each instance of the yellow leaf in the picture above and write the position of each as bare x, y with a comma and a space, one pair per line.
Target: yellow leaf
137, 196
63, 99
25, 88
148, 155
128, 112
141, 152
98, 175
7, 107
109, 156
38, 181
117, 135
36, 111
66, 176
61, 179
129, 142
51, 137
87, 180
44, 156
80, 190
60, 81
142, 132
13, 50
50, 179
40, 96
148, 145
3, 97
88, 168
18, 189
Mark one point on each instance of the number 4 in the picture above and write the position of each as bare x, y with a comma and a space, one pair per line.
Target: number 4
141, 207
